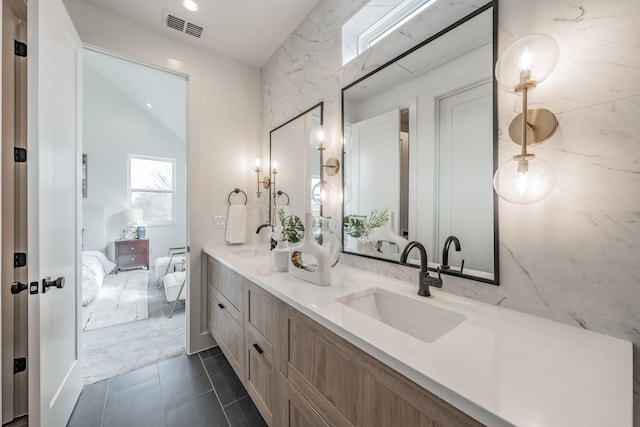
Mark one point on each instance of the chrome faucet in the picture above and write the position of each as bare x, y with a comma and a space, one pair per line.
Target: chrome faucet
445, 252
424, 279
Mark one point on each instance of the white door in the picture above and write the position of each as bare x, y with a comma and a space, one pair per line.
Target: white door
465, 152
54, 159
375, 180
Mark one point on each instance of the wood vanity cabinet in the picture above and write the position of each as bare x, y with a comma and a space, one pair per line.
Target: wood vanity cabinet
347, 387
225, 315
299, 373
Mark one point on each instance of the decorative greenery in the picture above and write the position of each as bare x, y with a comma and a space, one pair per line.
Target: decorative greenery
360, 226
290, 229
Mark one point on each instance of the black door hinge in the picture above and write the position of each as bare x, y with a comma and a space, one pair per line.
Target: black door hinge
20, 155
20, 48
19, 259
19, 364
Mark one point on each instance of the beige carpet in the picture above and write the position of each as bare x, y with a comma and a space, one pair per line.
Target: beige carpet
118, 349
122, 299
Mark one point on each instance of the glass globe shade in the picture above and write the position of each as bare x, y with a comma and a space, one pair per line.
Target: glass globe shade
531, 58
524, 183
318, 137
323, 193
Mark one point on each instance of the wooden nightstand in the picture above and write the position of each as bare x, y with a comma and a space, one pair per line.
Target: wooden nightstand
132, 254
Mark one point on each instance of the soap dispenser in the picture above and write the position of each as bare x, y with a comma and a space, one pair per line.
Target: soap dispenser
318, 273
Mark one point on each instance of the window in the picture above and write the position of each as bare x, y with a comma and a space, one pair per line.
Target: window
376, 20
151, 188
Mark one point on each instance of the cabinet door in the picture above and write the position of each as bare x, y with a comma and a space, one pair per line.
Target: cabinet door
259, 375
231, 285
228, 334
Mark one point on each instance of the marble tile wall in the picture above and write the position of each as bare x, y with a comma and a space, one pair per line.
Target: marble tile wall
574, 257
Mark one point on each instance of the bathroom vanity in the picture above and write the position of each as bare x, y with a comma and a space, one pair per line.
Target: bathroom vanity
367, 351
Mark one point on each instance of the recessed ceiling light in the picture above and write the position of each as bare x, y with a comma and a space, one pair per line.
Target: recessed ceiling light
149, 105
190, 5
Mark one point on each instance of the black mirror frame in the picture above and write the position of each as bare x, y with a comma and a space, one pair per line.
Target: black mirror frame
496, 242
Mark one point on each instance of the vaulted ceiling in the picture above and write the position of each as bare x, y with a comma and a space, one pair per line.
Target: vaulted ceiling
248, 31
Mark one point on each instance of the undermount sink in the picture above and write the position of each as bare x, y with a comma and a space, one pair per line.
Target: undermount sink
419, 319
249, 252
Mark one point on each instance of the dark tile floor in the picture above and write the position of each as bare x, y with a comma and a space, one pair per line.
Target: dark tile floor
194, 391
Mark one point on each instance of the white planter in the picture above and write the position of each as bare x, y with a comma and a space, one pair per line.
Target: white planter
280, 257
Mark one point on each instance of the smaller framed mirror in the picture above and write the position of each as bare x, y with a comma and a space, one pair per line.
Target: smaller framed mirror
297, 164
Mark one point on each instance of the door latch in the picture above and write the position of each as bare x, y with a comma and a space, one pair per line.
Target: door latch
48, 283
18, 287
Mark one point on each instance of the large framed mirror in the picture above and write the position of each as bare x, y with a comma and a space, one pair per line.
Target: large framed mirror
297, 164
420, 150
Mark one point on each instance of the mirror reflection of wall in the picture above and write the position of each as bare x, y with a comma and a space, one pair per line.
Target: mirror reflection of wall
420, 143
299, 164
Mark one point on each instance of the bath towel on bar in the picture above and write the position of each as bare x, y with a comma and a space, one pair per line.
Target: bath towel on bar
236, 224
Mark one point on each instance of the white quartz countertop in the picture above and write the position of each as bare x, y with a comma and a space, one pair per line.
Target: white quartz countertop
500, 366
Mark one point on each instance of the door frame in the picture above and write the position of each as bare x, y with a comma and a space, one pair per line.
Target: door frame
197, 334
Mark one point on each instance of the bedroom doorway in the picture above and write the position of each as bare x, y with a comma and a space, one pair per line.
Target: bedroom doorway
134, 215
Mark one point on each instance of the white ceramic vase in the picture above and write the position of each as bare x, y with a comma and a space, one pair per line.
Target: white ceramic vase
317, 272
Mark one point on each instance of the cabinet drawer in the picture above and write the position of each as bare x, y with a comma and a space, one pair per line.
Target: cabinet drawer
260, 319
259, 375
293, 410
132, 260
126, 248
230, 284
228, 334
231, 309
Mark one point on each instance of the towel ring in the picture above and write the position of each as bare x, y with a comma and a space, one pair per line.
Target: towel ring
281, 193
236, 191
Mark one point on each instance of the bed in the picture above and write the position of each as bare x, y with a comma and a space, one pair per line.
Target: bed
94, 267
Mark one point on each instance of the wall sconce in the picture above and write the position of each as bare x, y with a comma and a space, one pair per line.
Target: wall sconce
525, 178
265, 182
323, 193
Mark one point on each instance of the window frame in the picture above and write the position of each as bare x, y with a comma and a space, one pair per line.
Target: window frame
173, 190
360, 38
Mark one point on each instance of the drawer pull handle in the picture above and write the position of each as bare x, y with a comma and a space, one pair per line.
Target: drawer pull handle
220, 305
258, 349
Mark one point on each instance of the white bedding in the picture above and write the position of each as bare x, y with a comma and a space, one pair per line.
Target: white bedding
94, 267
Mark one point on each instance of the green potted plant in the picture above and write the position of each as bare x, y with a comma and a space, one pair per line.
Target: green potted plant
361, 227
289, 230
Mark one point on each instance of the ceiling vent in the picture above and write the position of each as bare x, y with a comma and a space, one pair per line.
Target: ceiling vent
172, 20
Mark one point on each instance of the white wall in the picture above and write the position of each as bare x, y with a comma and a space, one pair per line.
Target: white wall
223, 108
114, 126
573, 257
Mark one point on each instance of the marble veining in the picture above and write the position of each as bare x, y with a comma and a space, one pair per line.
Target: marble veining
573, 257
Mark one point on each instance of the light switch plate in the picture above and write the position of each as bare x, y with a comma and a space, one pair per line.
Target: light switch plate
219, 221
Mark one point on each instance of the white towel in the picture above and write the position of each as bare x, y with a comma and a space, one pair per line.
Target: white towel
236, 224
